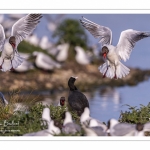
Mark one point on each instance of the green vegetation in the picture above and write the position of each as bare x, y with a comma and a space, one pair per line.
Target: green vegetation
136, 115
26, 47
30, 120
70, 31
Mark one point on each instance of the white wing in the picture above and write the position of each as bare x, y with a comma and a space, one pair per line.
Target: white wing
25, 26
2, 37
127, 41
98, 31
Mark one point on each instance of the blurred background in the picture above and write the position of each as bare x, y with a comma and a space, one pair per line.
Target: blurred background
60, 48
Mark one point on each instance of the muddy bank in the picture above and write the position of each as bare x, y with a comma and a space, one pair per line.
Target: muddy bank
88, 77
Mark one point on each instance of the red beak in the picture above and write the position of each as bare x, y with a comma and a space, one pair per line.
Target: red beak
104, 55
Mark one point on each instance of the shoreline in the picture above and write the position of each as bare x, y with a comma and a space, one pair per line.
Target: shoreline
88, 78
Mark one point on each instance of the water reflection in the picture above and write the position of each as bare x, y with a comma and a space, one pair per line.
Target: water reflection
105, 103
108, 102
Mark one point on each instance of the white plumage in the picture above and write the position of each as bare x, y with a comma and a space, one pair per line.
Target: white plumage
10, 57
45, 62
63, 52
113, 68
81, 57
44, 43
52, 129
89, 121
69, 127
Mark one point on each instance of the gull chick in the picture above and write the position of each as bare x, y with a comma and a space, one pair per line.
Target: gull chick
113, 68
69, 127
10, 57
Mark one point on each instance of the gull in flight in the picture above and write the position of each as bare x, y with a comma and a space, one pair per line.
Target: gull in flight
113, 68
10, 57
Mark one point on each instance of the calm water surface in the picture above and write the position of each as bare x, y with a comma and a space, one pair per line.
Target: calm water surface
108, 102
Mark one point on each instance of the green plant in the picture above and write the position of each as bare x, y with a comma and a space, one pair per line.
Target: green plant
136, 115
70, 31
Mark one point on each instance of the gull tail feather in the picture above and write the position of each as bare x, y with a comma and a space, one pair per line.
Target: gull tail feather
110, 70
122, 70
6, 65
17, 60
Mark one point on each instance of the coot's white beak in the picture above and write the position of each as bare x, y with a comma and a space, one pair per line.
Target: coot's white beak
75, 77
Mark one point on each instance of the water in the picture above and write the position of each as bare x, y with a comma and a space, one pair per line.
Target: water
108, 102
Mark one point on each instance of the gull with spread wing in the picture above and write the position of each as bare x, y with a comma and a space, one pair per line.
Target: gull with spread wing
113, 68
10, 57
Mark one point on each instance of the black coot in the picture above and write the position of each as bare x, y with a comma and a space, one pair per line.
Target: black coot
76, 100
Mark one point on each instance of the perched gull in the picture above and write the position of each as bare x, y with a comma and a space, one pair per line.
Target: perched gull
45, 62
24, 67
68, 126
61, 101
63, 52
76, 99
53, 50
10, 57
33, 39
87, 120
120, 129
52, 129
113, 68
5, 102
81, 57
44, 43
46, 115
94, 131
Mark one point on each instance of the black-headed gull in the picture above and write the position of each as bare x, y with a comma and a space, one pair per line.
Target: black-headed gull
46, 115
91, 122
94, 131
68, 126
116, 128
76, 99
10, 57
24, 67
81, 56
52, 129
45, 62
45, 43
113, 68
63, 52
61, 101
33, 39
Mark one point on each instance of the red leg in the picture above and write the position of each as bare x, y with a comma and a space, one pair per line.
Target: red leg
115, 77
105, 73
